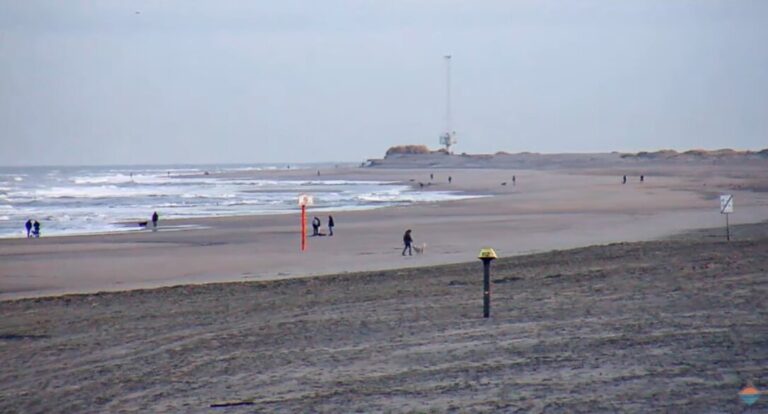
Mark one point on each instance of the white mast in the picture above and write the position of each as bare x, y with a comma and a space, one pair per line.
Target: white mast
448, 138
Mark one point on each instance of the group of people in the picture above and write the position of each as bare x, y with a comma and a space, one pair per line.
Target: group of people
624, 179
33, 228
316, 226
316, 223
432, 177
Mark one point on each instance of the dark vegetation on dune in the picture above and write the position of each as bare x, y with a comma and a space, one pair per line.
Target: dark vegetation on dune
698, 153
421, 156
413, 149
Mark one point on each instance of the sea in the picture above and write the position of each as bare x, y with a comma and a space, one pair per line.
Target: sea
106, 199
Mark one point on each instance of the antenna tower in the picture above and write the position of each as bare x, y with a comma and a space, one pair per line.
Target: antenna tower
448, 138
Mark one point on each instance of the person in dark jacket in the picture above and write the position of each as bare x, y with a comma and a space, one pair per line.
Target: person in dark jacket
36, 231
28, 225
407, 241
155, 217
315, 226
330, 225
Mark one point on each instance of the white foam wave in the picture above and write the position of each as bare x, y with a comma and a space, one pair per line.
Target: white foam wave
414, 197
92, 200
122, 179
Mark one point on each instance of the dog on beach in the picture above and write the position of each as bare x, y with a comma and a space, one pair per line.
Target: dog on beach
420, 249
142, 224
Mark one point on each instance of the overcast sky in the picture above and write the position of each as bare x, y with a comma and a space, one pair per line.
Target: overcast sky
104, 82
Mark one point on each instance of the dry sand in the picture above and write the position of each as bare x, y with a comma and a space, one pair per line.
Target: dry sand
545, 210
667, 326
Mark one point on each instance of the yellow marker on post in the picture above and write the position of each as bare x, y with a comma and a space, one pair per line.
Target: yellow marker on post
487, 255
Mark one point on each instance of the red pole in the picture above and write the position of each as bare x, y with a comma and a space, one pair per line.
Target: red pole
303, 228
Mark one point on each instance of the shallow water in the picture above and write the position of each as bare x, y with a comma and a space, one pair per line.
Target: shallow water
83, 200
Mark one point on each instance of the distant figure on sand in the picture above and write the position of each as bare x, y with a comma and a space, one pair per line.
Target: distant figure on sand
36, 231
330, 225
431, 176
514, 179
155, 217
642, 178
28, 225
624, 180
315, 226
407, 241
450, 179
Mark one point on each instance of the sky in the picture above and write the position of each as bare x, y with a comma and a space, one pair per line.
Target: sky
158, 82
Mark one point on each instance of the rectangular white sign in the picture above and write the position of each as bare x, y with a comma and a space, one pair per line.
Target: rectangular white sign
726, 204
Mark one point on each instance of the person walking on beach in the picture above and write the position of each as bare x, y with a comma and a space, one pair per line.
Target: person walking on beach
513, 180
407, 241
36, 231
642, 178
330, 225
624, 180
155, 217
450, 179
315, 226
28, 225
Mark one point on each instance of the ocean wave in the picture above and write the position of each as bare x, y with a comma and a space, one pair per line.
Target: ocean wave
122, 179
414, 197
209, 196
87, 192
88, 200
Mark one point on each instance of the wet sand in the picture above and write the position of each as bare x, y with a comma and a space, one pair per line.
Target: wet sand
544, 210
664, 326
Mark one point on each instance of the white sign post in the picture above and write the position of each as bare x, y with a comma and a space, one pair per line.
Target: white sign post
726, 207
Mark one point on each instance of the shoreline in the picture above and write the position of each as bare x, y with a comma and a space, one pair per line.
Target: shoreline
336, 176
544, 211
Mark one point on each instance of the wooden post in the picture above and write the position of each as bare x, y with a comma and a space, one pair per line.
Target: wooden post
487, 288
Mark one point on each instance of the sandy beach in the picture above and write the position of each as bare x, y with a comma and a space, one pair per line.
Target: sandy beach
653, 311
544, 210
665, 326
